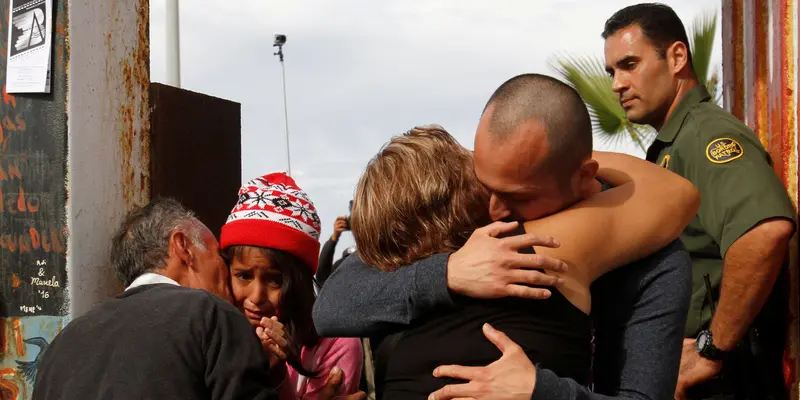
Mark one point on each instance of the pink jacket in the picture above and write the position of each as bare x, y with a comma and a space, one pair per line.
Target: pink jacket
345, 353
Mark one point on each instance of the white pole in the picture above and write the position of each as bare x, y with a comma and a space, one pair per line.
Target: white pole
173, 44
286, 119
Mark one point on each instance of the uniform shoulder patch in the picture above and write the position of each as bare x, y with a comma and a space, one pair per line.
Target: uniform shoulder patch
723, 150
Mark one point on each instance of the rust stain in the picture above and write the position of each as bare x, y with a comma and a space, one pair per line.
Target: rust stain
788, 98
8, 389
126, 136
133, 115
789, 175
143, 79
736, 67
16, 327
761, 73
62, 47
775, 107
15, 282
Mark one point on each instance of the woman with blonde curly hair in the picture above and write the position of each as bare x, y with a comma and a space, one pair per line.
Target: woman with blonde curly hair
419, 196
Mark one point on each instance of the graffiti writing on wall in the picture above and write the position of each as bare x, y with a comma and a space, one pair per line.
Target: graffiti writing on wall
33, 237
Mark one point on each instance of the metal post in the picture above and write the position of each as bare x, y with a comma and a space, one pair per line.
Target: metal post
173, 44
279, 42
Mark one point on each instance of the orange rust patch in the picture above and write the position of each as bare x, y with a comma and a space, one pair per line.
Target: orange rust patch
15, 282
761, 75
16, 327
134, 114
788, 99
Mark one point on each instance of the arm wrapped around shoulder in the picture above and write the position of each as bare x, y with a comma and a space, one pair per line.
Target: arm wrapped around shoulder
665, 195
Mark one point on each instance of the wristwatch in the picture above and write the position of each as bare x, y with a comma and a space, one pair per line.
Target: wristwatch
706, 348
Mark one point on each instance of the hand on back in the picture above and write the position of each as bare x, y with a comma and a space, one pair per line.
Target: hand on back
488, 267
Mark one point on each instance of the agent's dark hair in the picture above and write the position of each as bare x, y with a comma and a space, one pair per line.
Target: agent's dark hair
659, 23
554, 104
141, 243
297, 300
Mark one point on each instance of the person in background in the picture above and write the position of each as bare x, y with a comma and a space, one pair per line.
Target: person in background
163, 337
735, 331
271, 242
326, 264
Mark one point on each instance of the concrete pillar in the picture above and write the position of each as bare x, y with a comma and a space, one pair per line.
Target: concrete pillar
109, 148
72, 163
760, 66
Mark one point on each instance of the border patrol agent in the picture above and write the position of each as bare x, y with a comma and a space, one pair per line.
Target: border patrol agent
739, 189
734, 175
739, 239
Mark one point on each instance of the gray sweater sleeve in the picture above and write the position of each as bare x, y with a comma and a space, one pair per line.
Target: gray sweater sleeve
639, 316
358, 300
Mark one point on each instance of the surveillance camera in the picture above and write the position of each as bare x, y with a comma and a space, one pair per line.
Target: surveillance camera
280, 40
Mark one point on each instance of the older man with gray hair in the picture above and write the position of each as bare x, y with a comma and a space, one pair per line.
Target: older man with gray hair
162, 338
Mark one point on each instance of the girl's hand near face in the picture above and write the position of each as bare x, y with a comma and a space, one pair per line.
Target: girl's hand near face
274, 340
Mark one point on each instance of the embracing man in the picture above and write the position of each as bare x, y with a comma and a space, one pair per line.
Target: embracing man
638, 312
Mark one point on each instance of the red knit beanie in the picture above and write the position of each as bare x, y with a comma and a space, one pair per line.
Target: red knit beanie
273, 212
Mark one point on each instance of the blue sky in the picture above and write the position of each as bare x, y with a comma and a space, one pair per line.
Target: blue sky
360, 71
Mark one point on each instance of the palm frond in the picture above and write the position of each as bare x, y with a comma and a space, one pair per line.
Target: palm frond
701, 43
587, 75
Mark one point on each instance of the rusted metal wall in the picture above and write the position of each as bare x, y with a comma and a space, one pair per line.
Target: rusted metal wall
195, 140
760, 61
33, 278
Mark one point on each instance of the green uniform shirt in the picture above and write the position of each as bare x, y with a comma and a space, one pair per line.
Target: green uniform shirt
738, 188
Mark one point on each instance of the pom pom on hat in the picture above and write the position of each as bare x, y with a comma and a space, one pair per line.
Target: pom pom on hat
273, 212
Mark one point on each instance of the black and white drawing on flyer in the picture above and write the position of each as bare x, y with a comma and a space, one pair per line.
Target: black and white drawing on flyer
29, 46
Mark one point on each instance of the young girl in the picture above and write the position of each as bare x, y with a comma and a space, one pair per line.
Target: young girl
271, 243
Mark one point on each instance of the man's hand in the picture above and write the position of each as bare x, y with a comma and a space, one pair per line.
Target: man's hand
339, 226
335, 379
512, 377
488, 267
694, 369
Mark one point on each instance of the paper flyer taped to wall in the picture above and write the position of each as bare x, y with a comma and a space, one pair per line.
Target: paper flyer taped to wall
29, 46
